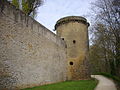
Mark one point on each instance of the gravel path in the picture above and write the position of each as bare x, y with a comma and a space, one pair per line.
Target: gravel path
104, 83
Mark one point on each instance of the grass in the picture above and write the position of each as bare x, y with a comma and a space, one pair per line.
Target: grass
68, 85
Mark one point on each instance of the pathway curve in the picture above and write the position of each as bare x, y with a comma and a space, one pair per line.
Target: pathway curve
104, 83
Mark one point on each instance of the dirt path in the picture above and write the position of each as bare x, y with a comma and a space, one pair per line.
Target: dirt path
104, 83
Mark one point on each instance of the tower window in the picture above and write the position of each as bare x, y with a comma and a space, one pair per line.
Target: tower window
65, 46
74, 41
62, 38
71, 63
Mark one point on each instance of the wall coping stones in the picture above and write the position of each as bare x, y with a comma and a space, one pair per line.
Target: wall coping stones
68, 19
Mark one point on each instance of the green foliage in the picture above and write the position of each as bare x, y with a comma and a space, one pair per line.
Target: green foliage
68, 85
25, 7
29, 7
15, 3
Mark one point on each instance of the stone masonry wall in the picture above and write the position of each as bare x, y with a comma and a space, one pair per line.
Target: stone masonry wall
30, 54
75, 34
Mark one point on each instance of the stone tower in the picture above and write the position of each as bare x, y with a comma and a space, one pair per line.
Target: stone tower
74, 31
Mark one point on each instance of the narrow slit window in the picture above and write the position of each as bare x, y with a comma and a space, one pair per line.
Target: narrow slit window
65, 46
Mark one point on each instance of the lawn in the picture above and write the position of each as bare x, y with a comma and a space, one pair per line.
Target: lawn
68, 85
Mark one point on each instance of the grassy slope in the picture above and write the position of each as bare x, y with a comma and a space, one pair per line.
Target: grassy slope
68, 85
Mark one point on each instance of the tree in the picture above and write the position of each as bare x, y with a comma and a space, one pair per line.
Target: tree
97, 59
29, 7
107, 14
15, 3
102, 48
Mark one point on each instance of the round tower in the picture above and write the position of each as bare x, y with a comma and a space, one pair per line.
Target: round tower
74, 31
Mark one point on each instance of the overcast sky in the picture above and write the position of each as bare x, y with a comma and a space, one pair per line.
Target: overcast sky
53, 10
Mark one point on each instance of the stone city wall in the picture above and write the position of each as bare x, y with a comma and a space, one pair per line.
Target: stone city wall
30, 54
